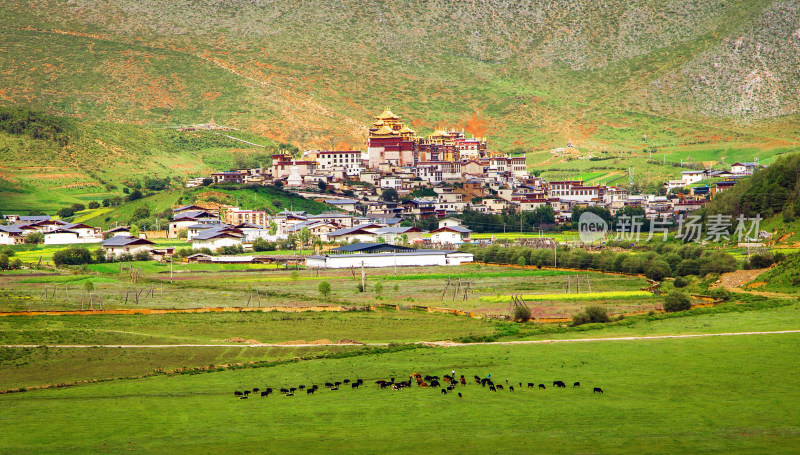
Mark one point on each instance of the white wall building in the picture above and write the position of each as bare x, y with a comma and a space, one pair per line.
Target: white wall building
412, 259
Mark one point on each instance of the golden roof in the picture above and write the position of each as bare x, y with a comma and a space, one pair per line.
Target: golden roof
383, 131
378, 123
440, 133
387, 115
406, 129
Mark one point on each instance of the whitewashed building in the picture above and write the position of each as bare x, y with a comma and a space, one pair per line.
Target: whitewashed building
418, 258
119, 245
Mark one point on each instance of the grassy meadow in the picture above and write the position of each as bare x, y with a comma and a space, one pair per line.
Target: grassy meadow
660, 396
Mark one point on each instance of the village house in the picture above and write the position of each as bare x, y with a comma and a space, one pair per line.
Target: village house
234, 216
394, 234
118, 245
11, 235
360, 233
124, 231
217, 237
188, 218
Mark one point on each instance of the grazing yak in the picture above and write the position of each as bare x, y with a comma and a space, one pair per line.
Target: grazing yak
597, 390
577, 384
542, 387
559, 384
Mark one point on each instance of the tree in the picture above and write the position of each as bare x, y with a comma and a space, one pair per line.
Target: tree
134, 195
322, 185
66, 212
94, 205
3, 262
380, 239
89, 286
657, 270
404, 239
183, 233
324, 288
34, 237
76, 255
273, 228
390, 194
677, 301
305, 237
134, 230
140, 213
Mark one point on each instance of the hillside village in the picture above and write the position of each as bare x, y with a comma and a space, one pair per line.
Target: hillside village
379, 196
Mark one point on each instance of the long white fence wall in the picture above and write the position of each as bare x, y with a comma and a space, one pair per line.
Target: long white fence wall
344, 261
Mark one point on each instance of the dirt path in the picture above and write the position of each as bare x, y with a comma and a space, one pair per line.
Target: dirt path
733, 280
445, 344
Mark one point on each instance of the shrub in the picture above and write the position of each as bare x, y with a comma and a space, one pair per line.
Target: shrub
580, 319
721, 293
295, 275
597, 313
143, 255
378, 288
4, 264
521, 261
76, 255
183, 233
677, 301
360, 287
522, 313
125, 257
94, 205
680, 282
761, 260
324, 288
15, 264
260, 244
592, 313
7, 251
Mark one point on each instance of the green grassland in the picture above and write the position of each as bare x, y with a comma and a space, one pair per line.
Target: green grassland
661, 396
31, 367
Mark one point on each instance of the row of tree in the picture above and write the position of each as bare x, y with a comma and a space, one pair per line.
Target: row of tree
674, 261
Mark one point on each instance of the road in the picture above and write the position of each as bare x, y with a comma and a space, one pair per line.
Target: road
445, 344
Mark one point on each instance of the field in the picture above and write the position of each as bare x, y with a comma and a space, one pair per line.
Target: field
207, 285
661, 396
168, 379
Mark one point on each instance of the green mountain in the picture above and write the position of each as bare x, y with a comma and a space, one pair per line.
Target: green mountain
628, 81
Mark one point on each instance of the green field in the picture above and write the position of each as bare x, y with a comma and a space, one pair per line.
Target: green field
661, 396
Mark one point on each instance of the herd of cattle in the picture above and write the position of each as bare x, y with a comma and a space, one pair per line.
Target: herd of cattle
450, 383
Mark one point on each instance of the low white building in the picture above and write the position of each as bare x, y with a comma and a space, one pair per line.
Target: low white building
119, 245
451, 235
11, 235
418, 258
217, 238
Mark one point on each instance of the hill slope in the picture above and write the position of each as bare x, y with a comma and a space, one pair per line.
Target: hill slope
698, 78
